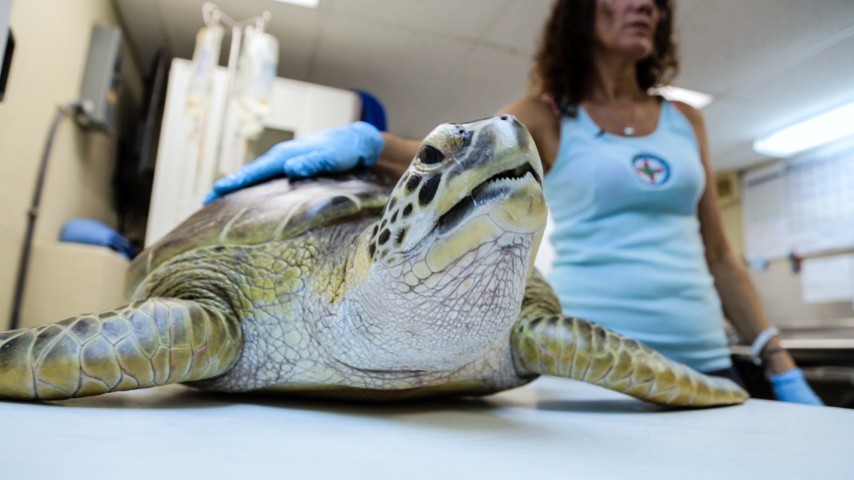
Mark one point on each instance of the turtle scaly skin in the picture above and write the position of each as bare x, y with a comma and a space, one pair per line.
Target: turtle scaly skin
548, 343
153, 342
346, 287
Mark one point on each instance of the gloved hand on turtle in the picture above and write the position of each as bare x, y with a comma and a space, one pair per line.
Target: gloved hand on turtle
339, 149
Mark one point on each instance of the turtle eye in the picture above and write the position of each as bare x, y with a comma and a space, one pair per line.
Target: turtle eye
429, 155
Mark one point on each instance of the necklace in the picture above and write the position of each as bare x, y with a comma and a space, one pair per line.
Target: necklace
626, 125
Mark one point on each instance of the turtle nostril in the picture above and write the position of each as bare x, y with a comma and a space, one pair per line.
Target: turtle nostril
505, 117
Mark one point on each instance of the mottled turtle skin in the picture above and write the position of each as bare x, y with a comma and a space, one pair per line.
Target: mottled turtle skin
354, 288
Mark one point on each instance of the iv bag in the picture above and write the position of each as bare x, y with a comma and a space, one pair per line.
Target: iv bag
253, 83
205, 60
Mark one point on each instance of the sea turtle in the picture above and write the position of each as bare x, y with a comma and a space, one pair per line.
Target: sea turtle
344, 287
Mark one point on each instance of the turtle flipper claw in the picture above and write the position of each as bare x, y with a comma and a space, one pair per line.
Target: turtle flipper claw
154, 342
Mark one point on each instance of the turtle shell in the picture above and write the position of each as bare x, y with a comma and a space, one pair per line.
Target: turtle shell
272, 211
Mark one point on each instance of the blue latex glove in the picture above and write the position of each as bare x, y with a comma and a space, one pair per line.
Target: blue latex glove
93, 232
790, 386
330, 151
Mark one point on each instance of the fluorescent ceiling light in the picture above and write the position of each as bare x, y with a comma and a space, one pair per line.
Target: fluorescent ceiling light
302, 3
812, 132
696, 99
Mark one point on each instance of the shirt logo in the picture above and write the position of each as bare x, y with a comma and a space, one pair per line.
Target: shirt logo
650, 169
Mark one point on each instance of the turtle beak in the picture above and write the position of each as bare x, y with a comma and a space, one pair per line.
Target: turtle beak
501, 163
494, 189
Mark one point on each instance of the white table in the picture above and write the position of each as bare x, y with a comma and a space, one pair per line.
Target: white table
551, 429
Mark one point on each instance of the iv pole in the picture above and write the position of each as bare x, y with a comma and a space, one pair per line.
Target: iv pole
209, 10
33, 212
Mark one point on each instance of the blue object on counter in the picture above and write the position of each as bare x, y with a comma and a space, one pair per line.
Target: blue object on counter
93, 232
758, 264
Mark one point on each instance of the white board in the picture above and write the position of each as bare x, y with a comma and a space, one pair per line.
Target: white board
803, 205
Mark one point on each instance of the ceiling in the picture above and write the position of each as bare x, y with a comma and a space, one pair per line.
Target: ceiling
767, 63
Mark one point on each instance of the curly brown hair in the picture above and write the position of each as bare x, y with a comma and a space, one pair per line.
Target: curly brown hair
563, 64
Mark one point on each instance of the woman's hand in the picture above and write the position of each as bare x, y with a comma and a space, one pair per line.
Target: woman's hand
791, 386
330, 151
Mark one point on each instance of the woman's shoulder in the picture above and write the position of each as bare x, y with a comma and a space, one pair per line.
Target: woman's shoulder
543, 121
537, 107
694, 116
535, 112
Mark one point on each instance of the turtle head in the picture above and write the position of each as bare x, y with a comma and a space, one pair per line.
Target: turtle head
449, 258
468, 184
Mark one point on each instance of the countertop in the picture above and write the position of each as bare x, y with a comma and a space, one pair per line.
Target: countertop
835, 334
552, 428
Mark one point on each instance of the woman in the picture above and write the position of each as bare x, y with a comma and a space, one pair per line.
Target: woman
639, 242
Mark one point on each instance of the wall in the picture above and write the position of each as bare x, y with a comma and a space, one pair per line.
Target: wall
779, 288
52, 39
731, 213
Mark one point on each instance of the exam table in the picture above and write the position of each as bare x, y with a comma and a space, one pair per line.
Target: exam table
551, 428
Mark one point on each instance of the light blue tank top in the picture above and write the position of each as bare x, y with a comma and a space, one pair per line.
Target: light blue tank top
628, 250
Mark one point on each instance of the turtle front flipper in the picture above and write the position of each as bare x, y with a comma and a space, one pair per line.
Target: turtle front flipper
546, 342
578, 349
153, 342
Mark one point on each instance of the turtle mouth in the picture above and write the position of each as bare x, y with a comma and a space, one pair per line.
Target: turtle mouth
495, 187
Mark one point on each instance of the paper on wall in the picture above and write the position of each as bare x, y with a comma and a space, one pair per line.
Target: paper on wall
828, 279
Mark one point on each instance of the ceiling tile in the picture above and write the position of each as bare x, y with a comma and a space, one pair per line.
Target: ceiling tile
727, 43
518, 26
144, 28
812, 86
181, 20
395, 63
452, 18
729, 125
487, 79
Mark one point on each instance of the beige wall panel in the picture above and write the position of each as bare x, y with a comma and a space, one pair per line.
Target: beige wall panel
52, 39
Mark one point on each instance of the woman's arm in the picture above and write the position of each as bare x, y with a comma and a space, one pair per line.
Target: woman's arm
397, 153
740, 301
